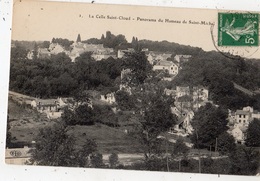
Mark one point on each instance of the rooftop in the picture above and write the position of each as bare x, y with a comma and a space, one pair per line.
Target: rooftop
165, 63
242, 112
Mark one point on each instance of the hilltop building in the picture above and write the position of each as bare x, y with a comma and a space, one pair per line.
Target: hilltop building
121, 53
239, 121
167, 66
109, 98
182, 58
154, 57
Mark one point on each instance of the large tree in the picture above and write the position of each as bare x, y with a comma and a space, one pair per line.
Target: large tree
226, 143
253, 134
156, 118
55, 147
113, 160
139, 66
244, 161
209, 123
124, 100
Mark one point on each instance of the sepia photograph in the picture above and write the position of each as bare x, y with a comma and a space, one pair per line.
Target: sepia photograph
134, 88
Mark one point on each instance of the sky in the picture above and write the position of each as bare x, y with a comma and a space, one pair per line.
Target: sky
35, 21
25, 30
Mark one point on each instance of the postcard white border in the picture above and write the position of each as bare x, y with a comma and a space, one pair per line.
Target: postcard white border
28, 173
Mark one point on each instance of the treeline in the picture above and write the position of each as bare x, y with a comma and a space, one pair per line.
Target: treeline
218, 72
86, 115
165, 46
243, 161
119, 42
109, 40
56, 147
30, 45
58, 76
63, 42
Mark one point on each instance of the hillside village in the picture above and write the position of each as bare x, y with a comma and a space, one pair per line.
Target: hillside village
184, 110
165, 68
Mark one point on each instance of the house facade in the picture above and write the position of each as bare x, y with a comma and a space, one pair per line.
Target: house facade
109, 98
48, 106
167, 66
121, 53
239, 134
182, 91
182, 58
243, 118
155, 57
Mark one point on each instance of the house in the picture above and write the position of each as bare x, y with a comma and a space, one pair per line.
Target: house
200, 94
56, 48
239, 134
54, 114
254, 114
182, 91
170, 92
43, 53
109, 98
30, 55
43, 105
104, 56
200, 97
154, 57
99, 52
167, 66
231, 117
125, 80
182, 58
243, 117
121, 53
48, 106
17, 156
176, 111
184, 120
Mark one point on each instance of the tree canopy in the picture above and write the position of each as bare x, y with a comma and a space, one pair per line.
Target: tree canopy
209, 123
55, 147
156, 118
139, 66
253, 133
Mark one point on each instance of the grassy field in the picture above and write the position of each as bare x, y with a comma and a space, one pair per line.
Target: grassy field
108, 139
25, 124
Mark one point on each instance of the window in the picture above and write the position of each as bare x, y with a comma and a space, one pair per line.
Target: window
244, 116
239, 115
171, 68
239, 121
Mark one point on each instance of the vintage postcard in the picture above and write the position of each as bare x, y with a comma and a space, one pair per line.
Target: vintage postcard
134, 88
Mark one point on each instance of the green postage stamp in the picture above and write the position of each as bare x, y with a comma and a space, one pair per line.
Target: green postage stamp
238, 29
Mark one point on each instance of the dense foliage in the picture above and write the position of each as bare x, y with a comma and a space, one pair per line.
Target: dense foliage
138, 65
209, 123
156, 118
253, 133
65, 43
109, 41
59, 76
146, 103
218, 73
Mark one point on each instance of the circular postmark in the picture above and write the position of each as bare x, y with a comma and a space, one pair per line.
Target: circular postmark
236, 34
15, 153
